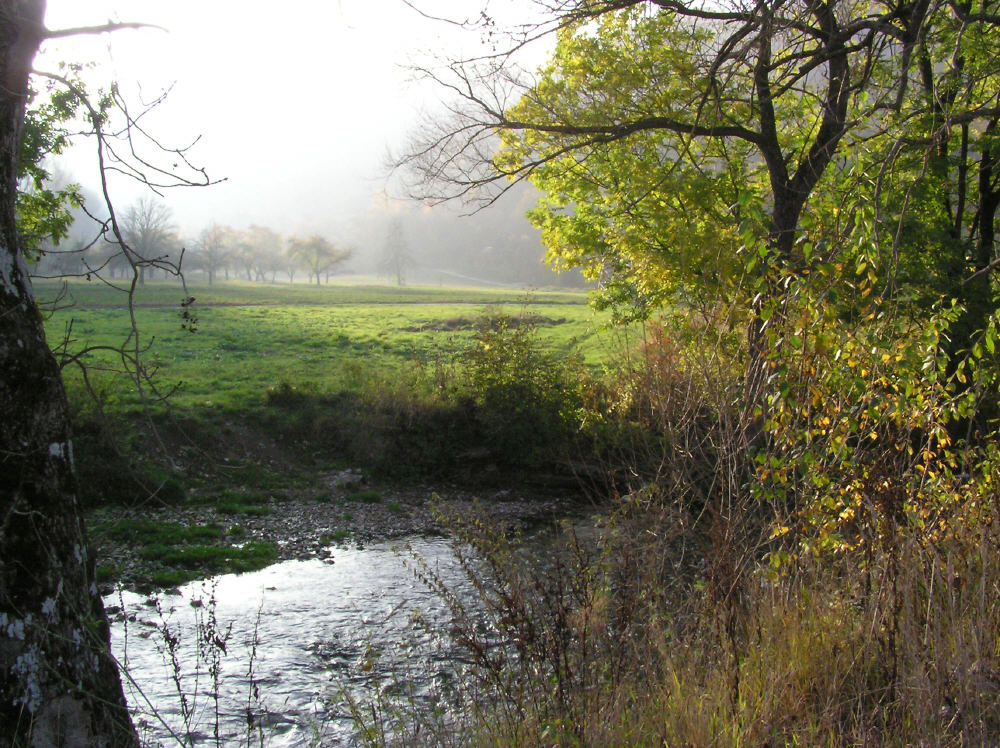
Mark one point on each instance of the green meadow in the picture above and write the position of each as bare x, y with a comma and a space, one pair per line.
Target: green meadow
251, 338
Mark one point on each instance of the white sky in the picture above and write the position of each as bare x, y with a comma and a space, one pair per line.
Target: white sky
296, 102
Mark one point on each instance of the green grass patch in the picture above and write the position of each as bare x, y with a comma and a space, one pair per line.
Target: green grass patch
176, 553
154, 532
253, 340
282, 382
233, 501
369, 496
166, 294
333, 537
215, 559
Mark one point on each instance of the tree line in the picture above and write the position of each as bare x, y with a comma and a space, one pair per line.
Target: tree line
153, 244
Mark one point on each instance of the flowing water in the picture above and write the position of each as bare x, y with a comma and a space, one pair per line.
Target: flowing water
288, 649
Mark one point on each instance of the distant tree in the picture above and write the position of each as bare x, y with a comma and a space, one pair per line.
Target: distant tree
148, 231
106, 257
264, 250
396, 257
244, 254
212, 249
317, 255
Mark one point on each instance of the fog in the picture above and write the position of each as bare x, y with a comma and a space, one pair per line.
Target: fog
292, 109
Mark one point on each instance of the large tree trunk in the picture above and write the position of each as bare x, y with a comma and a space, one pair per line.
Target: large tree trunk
59, 685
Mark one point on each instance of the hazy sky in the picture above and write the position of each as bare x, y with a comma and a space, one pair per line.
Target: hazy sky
296, 102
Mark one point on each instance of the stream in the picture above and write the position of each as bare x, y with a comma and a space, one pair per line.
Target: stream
276, 657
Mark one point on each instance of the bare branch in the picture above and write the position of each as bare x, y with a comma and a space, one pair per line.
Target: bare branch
413, 6
104, 28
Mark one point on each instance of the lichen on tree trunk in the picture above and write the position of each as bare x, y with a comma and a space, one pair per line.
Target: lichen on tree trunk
59, 685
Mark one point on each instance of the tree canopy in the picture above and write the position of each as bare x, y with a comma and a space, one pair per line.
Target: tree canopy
679, 145
317, 254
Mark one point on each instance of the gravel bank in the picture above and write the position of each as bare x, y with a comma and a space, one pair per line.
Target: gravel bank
302, 529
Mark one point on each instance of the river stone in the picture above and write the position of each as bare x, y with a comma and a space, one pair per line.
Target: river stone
348, 480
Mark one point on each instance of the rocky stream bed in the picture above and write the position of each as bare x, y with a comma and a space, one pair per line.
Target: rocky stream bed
337, 618
304, 528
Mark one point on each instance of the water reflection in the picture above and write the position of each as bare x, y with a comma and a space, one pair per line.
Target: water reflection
290, 647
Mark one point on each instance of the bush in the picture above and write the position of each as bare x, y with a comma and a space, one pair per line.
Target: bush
504, 403
527, 401
111, 466
733, 597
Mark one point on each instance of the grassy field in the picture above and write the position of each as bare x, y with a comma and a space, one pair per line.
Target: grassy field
87, 295
252, 337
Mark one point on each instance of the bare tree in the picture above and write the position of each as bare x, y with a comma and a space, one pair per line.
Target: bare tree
396, 257
212, 250
149, 234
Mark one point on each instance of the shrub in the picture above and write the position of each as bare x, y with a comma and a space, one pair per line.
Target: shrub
526, 401
285, 395
819, 570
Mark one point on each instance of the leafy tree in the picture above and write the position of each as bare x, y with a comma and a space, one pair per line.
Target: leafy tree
667, 136
44, 211
680, 145
628, 211
675, 86
317, 255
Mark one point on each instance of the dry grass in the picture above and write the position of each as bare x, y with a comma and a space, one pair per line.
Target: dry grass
680, 628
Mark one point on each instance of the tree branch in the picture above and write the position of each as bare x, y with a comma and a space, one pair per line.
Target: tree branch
104, 28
